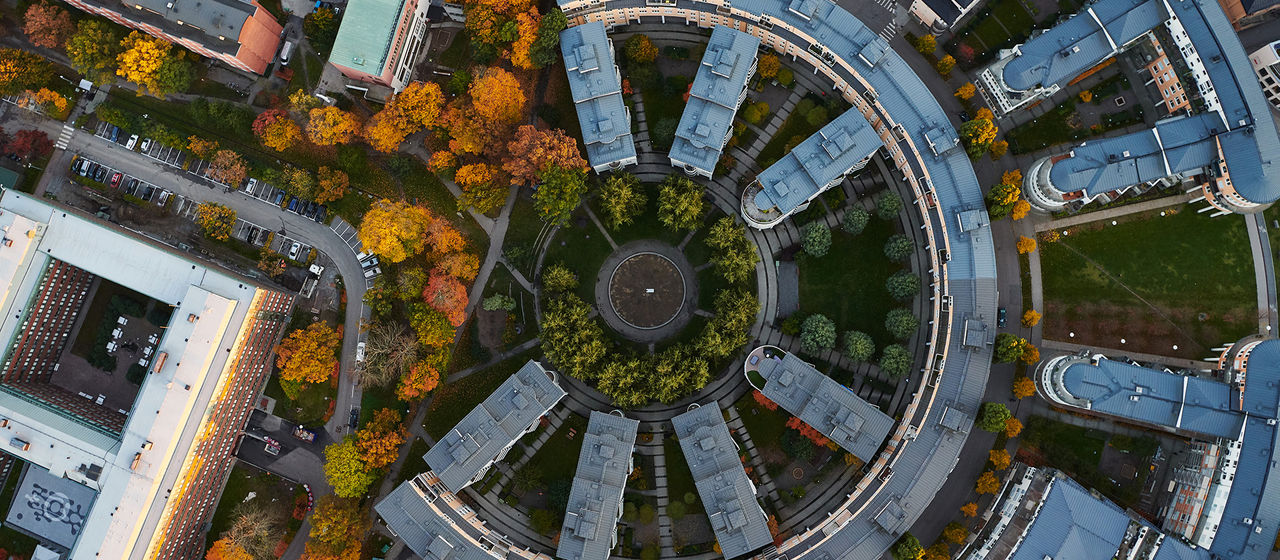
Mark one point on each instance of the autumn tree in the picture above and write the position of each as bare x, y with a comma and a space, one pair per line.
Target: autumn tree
1020, 210
998, 149
680, 203
345, 469
970, 509
979, 133
203, 149
22, 70
1030, 355
331, 184
621, 200
308, 355
558, 279
1013, 427
379, 440
768, 66
227, 167
447, 295
1009, 347
152, 63
395, 230
988, 483
966, 91
433, 326
527, 24
338, 528
1026, 245
303, 102
999, 459
497, 96
389, 352
482, 187
734, 311
330, 125
224, 549
1030, 318
321, 29
640, 49
463, 266
532, 151
256, 527
955, 532
216, 219
945, 65
422, 378
47, 25
937, 551
926, 44
93, 49
908, 546
30, 143
416, 107
272, 263
277, 130
559, 193
1023, 387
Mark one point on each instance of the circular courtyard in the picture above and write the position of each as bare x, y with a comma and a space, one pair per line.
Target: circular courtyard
646, 290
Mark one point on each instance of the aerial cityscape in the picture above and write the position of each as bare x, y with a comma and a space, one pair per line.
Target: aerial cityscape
640, 279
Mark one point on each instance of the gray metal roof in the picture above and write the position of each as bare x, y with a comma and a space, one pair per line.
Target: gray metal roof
1175, 145
1153, 396
365, 36
597, 94
818, 161
1079, 43
726, 66
595, 501
491, 427
409, 512
1072, 523
827, 406
727, 494
214, 18
50, 507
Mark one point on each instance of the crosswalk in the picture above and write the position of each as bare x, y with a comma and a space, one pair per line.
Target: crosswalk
65, 138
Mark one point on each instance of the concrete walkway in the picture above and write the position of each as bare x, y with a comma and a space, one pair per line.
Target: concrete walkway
1112, 213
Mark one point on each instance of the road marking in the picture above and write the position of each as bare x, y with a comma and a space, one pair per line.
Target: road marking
65, 138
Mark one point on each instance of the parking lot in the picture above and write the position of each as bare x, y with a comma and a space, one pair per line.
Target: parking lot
110, 177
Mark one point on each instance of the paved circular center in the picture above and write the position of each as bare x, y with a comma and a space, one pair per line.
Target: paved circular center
646, 290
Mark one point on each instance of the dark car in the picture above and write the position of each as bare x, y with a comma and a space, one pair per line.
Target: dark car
115, 133
278, 198
115, 180
1001, 316
131, 187
355, 418
964, 116
148, 192
293, 203
321, 213
100, 175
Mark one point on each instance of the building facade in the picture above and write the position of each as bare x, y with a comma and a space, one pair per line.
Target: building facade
1266, 62
379, 41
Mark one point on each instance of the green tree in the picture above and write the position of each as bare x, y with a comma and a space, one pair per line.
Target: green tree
321, 28
1001, 199
733, 255
855, 220
1009, 347
816, 239
93, 50
621, 200
559, 193
858, 346
680, 203
175, 74
543, 521
816, 116
895, 361
888, 206
817, 333
345, 470
735, 310
908, 547
899, 247
22, 70
901, 323
664, 133
557, 279
993, 416
571, 339
546, 47
903, 285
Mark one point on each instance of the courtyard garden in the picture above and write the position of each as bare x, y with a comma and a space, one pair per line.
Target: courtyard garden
259, 509
1168, 282
1003, 24
1116, 465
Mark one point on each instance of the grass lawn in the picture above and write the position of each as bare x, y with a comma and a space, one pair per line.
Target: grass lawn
644, 226
414, 464
373, 398
267, 488
523, 228
10, 539
557, 459
795, 125
1079, 451
679, 477
458, 54
1272, 216
421, 186
1011, 13
312, 406
696, 250
306, 70
1195, 272
454, 400
581, 249
1049, 129
763, 425
852, 296
659, 105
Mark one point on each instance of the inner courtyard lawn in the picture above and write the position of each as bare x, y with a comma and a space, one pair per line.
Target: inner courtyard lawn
1189, 281
847, 285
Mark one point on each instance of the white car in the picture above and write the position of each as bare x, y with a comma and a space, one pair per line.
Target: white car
253, 185
146, 144
133, 141
360, 352
293, 251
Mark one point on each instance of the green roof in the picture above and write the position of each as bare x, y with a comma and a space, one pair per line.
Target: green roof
364, 38
8, 178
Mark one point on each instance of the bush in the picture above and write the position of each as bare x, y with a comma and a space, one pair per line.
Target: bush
796, 446
993, 416
664, 133
858, 346
817, 333
899, 247
817, 116
676, 511
136, 374
895, 361
499, 301
888, 206
542, 521
646, 514
689, 498
557, 278
816, 239
901, 323
855, 220
786, 77
903, 285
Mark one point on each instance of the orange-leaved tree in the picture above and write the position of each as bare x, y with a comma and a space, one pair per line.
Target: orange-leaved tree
224, 549
338, 528
809, 432
970, 509
1023, 387
999, 459
327, 126
379, 440
1012, 427
527, 24
202, 148
216, 219
988, 483
395, 230
308, 355
276, 129
533, 151
332, 184
447, 295
409, 111
227, 167
47, 25
422, 378
497, 96
464, 266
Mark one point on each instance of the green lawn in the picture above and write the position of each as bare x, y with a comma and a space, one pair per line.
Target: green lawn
312, 406
373, 399
1272, 216
523, 228
458, 54
795, 125
1196, 271
679, 477
659, 104
1046, 130
557, 459
847, 285
763, 425
267, 488
582, 250
1077, 451
10, 539
454, 400
414, 464
1011, 13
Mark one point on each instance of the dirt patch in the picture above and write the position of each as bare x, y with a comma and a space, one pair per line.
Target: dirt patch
491, 325
1193, 331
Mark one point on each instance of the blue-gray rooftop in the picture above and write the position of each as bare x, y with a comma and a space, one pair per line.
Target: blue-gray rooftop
1072, 523
597, 94
491, 427
816, 162
408, 511
1175, 145
50, 507
1080, 43
717, 87
825, 405
727, 494
595, 500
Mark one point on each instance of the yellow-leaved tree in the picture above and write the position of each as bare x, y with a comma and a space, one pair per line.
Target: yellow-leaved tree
395, 231
216, 219
142, 58
308, 355
330, 125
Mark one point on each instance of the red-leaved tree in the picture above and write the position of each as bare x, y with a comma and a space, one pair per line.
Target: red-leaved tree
30, 143
807, 431
447, 295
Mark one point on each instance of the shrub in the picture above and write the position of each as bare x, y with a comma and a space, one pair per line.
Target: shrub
858, 346
499, 301
895, 361
993, 416
676, 510
899, 247
888, 206
786, 77
557, 278
855, 220
817, 333
816, 239
664, 133
903, 285
901, 323
689, 498
817, 116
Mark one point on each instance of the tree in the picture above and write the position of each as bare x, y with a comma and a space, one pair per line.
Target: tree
175, 74
332, 185
276, 130
1013, 427
970, 509
1030, 356
203, 149
533, 151
1002, 198
558, 279
30, 143
998, 149
755, 112
463, 266
416, 107
303, 102
433, 327
999, 459
140, 59
888, 206
993, 416
321, 29
447, 295
560, 192
497, 96
903, 285
224, 549
308, 355
858, 346
216, 219
955, 532
733, 255
735, 310
680, 203
945, 65
966, 91
423, 377
908, 547
328, 126
640, 49
768, 66
273, 263
93, 50
926, 44
987, 483
379, 440
1030, 318
389, 352
899, 247
1086, 96
338, 527
1026, 245
855, 220
298, 182
763, 400
895, 361
571, 339
228, 168
498, 302
816, 239
809, 432
901, 323
527, 24
1023, 387
395, 230
345, 469
621, 200
47, 25
256, 527
1009, 347
479, 186
978, 134
937, 551
22, 70
817, 333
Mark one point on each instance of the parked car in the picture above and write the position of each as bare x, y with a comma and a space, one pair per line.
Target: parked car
355, 418
320, 214
1001, 316
131, 186
133, 141
293, 251
146, 144
100, 174
252, 186
115, 180
148, 192
360, 352
115, 133
278, 198
293, 203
